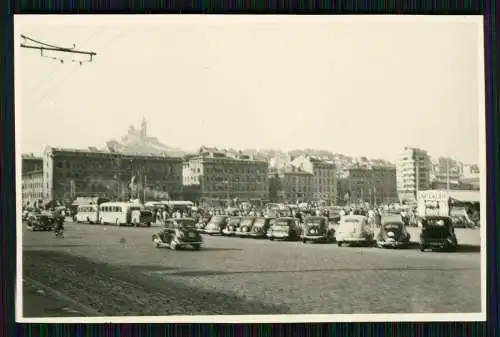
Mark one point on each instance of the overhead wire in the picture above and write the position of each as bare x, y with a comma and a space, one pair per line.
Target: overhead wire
53, 88
49, 78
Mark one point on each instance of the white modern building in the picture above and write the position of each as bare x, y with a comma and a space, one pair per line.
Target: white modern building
413, 172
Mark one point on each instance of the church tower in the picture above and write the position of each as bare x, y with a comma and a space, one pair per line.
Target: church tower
143, 129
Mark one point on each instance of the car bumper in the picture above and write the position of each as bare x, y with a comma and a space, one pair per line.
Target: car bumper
243, 234
278, 236
314, 238
257, 235
363, 239
211, 231
439, 244
188, 243
392, 243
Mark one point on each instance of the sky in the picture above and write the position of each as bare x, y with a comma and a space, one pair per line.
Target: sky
362, 86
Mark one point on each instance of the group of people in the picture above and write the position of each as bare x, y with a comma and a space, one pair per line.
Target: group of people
373, 214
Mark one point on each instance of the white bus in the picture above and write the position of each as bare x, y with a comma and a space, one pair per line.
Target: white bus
87, 213
118, 213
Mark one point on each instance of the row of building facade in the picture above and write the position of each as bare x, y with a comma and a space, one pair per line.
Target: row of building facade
417, 171
212, 174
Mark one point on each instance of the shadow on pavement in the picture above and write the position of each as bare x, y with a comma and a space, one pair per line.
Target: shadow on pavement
116, 291
215, 249
462, 248
202, 273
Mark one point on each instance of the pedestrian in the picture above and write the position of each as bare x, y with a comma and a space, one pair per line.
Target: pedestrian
378, 219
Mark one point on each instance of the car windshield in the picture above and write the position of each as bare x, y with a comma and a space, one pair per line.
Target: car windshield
351, 220
246, 222
436, 226
392, 226
314, 222
217, 219
259, 222
185, 223
437, 222
282, 222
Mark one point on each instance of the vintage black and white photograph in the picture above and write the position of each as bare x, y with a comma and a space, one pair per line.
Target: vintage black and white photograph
234, 168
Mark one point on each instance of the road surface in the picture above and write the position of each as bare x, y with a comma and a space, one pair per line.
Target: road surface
117, 271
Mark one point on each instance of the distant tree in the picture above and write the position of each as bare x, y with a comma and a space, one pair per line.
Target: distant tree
275, 187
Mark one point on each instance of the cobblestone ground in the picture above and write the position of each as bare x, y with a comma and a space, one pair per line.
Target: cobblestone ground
116, 271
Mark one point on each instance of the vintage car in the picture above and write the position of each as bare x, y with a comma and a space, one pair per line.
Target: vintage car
178, 233
216, 225
334, 219
280, 212
393, 234
40, 221
203, 222
232, 226
246, 225
437, 233
285, 228
317, 229
354, 229
260, 227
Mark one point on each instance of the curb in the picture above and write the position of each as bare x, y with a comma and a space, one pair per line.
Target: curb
60, 296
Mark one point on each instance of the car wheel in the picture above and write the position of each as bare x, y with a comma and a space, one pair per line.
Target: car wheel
156, 244
339, 243
304, 240
149, 224
271, 238
196, 247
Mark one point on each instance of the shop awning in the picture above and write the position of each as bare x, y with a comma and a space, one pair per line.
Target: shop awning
465, 196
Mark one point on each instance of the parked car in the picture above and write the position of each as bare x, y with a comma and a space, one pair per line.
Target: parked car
393, 234
354, 229
232, 226
177, 233
203, 222
40, 221
437, 233
216, 225
260, 227
316, 229
285, 228
245, 226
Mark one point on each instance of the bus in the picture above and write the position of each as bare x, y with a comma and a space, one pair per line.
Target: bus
87, 213
118, 213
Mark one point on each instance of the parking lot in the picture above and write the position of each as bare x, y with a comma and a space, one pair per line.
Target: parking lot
117, 271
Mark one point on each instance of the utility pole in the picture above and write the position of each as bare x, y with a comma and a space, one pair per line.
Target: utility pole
42, 47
